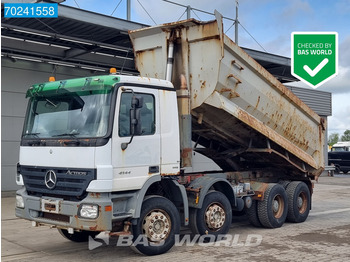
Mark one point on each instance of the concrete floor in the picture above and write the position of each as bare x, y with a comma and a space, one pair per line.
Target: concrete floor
325, 236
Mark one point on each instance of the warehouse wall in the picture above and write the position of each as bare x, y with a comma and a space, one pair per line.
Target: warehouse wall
319, 101
16, 77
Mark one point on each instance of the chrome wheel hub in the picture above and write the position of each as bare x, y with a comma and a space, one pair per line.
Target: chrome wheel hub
156, 226
215, 216
275, 206
300, 202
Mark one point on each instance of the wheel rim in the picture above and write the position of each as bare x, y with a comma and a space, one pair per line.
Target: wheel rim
277, 206
156, 225
215, 216
302, 202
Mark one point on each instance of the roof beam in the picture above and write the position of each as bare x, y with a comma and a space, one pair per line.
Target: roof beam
97, 19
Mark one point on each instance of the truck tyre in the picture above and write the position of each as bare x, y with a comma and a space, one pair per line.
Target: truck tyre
252, 214
272, 211
215, 216
299, 202
193, 221
157, 226
77, 236
337, 169
284, 183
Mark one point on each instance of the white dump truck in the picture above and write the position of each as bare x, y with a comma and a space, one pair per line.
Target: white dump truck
110, 153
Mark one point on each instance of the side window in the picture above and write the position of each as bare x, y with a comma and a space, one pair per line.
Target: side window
147, 114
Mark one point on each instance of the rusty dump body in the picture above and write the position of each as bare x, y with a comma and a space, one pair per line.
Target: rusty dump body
242, 115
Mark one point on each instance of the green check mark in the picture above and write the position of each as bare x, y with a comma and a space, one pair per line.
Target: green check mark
317, 69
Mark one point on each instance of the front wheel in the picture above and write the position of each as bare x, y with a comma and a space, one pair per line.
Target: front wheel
299, 202
157, 226
272, 211
337, 169
215, 216
77, 236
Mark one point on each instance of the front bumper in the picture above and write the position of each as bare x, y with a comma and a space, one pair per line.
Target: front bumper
65, 214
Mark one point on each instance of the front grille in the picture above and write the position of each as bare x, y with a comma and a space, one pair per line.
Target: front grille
71, 182
56, 217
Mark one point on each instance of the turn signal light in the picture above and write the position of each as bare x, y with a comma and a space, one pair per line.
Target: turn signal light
52, 79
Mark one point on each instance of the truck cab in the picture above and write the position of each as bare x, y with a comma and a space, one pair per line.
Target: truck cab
85, 138
339, 156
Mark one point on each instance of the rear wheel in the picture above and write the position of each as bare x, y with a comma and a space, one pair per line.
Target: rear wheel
252, 214
272, 211
299, 202
77, 236
157, 226
284, 183
214, 218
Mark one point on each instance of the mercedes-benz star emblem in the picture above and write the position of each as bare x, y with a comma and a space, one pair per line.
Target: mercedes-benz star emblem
50, 179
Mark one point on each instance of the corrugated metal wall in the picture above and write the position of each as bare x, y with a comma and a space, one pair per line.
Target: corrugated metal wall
319, 101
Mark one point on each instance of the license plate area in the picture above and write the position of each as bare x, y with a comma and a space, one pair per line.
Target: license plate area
52, 206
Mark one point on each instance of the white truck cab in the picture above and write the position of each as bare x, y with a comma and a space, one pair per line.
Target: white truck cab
89, 136
341, 147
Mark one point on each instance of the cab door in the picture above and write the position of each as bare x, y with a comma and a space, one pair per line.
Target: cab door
136, 147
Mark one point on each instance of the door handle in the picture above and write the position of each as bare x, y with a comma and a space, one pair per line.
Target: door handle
153, 169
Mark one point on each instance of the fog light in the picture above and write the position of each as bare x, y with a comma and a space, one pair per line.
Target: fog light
19, 201
89, 211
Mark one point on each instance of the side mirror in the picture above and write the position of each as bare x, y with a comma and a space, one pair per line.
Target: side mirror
136, 102
135, 117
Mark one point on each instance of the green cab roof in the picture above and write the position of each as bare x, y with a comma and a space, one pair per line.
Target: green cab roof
102, 83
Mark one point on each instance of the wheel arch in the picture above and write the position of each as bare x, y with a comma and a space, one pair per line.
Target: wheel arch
166, 187
199, 187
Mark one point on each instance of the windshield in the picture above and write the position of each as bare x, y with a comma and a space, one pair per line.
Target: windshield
82, 114
338, 149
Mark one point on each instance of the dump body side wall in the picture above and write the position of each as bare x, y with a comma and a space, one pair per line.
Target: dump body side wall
240, 111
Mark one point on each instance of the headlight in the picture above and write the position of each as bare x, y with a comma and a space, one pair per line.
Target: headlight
19, 201
89, 211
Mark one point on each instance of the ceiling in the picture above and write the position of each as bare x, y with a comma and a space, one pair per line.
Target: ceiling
80, 38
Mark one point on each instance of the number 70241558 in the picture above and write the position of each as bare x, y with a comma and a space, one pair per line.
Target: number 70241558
30, 10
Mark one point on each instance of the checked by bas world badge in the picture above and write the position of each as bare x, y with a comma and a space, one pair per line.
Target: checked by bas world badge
314, 57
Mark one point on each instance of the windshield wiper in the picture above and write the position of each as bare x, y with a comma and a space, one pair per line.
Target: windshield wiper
50, 102
67, 134
31, 134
